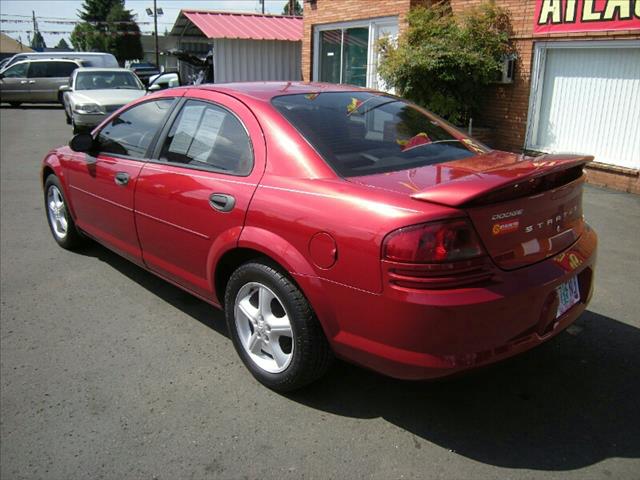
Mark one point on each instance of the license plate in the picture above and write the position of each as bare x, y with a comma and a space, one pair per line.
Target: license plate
568, 295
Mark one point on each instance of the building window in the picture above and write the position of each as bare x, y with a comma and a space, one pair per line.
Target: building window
346, 52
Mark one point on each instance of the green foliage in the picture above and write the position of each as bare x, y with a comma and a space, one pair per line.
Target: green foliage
98, 10
62, 44
445, 62
126, 45
37, 42
297, 9
87, 38
107, 32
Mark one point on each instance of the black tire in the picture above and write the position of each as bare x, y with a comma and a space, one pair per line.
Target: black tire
76, 129
72, 239
15, 104
311, 354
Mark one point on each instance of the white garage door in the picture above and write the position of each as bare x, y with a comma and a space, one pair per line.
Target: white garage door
587, 100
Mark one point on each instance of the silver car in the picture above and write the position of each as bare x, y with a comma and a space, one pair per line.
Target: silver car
93, 93
35, 81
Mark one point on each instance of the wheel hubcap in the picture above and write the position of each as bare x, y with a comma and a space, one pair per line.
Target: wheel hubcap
264, 327
57, 212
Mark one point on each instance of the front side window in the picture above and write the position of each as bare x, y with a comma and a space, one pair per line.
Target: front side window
17, 71
210, 137
361, 133
131, 133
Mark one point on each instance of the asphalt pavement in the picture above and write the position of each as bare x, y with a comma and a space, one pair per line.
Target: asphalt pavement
108, 372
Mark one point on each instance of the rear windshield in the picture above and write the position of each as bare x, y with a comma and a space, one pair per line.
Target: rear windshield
361, 133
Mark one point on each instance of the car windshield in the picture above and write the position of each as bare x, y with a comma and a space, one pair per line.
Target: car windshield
361, 133
106, 80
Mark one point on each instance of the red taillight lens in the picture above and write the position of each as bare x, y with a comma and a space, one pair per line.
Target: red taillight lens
435, 242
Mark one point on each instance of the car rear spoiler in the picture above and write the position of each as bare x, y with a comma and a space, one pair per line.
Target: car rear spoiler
511, 180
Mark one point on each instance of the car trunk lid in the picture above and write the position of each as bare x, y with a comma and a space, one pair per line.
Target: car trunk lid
524, 209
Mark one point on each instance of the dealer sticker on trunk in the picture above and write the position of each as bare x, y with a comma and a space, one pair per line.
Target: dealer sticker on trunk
568, 295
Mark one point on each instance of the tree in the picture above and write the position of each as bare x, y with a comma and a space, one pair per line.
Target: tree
108, 27
62, 44
125, 34
444, 62
37, 42
98, 10
86, 38
297, 9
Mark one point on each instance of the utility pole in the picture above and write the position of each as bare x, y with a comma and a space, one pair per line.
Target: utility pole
37, 45
262, 2
155, 25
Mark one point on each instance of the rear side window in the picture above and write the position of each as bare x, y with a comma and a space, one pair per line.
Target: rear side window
131, 133
61, 69
211, 137
362, 133
39, 69
51, 69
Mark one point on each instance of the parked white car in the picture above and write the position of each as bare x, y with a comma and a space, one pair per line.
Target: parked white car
93, 93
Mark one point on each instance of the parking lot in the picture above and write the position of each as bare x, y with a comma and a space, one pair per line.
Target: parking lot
109, 372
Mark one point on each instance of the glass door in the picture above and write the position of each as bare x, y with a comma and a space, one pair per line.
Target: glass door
355, 43
346, 52
330, 56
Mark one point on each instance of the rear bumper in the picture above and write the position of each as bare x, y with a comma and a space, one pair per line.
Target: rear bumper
422, 334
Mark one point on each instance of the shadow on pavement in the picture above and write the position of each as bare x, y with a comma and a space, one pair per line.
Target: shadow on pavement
569, 403
192, 306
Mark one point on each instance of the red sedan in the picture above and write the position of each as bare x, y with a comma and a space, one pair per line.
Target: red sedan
333, 221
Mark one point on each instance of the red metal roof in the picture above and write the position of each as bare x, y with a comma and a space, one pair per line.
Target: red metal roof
248, 26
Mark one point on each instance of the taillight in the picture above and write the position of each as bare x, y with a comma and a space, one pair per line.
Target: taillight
435, 242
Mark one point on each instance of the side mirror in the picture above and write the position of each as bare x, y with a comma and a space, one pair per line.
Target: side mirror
64, 88
82, 142
154, 88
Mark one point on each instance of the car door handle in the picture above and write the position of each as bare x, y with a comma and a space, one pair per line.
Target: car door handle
121, 178
24, 81
32, 81
222, 202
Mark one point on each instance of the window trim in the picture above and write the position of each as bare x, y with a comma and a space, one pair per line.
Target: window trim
155, 157
154, 140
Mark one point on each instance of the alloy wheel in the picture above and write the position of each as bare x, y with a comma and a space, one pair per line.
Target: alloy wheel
57, 212
264, 327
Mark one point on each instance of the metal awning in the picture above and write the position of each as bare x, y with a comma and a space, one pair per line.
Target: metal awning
246, 26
